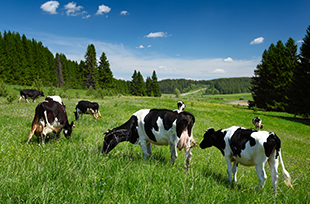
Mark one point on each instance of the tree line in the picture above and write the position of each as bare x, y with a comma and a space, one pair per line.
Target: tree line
214, 86
25, 62
281, 82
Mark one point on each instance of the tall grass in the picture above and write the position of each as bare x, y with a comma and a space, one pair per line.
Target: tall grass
73, 170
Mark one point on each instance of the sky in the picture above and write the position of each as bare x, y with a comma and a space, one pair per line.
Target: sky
189, 39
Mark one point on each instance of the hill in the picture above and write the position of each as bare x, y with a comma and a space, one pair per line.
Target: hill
214, 86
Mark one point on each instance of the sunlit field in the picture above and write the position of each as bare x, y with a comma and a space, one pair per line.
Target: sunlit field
73, 170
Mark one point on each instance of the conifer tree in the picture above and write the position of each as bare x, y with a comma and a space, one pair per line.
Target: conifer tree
155, 85
91, 73
105, 75
149, 87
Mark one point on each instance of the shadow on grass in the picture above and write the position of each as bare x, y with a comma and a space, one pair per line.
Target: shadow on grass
220, 178
304, 121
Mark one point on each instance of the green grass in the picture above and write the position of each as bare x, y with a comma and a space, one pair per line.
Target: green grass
73, 170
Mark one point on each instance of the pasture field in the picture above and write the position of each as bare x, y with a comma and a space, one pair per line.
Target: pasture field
73, 170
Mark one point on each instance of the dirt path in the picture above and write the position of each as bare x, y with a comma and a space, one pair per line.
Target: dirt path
184, 94
239, 102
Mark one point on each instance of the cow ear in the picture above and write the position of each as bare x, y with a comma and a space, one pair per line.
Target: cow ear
72, 125
210, 130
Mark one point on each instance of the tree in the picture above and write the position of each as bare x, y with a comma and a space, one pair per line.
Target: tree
105, 75
149, 87
91, 73
299, 95
177, 92
155, 85
137, 87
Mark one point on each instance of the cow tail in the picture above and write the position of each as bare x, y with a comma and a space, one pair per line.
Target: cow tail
287, 178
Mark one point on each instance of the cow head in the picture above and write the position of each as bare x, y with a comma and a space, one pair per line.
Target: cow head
68, 129
41, 93
111, 139
207, 139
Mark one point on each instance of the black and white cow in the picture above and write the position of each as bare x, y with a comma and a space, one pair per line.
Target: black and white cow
50, 116
181, 106
55, 98
32, 93
257, 122
87, 107
250, 148
155, 126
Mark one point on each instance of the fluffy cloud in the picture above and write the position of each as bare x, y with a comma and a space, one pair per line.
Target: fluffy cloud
257, 41
103, 9
50, 6
125, 13
219, 71
73, 10
157, 35
228, 60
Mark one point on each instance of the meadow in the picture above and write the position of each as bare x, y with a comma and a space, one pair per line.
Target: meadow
74, 171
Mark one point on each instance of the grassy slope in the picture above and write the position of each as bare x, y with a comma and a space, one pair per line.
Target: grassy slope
72, 170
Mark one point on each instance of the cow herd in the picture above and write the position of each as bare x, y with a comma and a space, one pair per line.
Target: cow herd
249, 147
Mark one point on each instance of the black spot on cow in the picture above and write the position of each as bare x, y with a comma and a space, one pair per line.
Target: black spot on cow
273, 142
239, 139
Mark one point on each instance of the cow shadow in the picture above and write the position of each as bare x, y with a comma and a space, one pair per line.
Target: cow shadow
304, 121
220, 178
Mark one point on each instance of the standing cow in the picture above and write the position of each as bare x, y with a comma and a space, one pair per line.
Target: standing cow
50, 116
32, 93
155, 126
87, 107
250, 148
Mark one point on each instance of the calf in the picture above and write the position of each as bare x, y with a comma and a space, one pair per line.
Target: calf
155, 126
257, 122
87, 107
50, 116
249, 148
32, 93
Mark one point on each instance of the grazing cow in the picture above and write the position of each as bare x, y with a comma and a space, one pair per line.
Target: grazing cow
32, 93
87, 107
50, 116
249, 148
181, 106
55, 98
257, 122
155, 126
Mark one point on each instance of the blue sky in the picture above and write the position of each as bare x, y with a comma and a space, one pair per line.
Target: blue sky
177, 38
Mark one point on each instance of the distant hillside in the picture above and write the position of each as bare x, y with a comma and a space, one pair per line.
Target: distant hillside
214, 86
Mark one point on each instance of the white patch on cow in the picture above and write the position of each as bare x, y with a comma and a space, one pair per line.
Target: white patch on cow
55, 98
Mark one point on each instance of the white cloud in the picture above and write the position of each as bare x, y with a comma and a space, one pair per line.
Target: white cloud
157, 35
149, 46
300, 41
228, 60
140, 47
73, 10
125, 13
50, 6
220, 71
86, 17
257, 41
103, 9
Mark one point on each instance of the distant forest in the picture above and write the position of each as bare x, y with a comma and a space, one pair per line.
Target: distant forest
214, 86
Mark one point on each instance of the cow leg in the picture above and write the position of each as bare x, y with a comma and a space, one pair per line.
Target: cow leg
81, 116
99, 114
260, 170
19, 98
188, 155
174, 153
234, 171
31, 133
144, 148
149, 148
229, 169
273, 163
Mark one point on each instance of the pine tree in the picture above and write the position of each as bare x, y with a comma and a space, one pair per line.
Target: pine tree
155, 85
149, 87
105, 75
91, 73
299, 90
133, 84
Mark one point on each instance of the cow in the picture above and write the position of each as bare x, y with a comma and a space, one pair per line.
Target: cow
158, 127
55, 98
257, 122
32, 93
181, 106
50, 116
87, 107
250, 148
